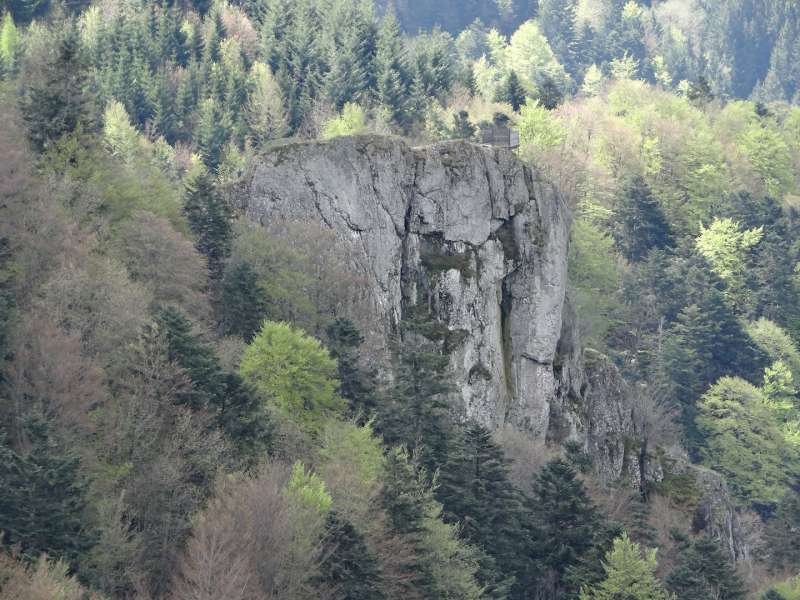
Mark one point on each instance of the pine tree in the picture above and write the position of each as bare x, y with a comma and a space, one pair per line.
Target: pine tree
358, 385
640, 223
703, 571
43, 502
210, 221
348, 567
59, 103
512, 92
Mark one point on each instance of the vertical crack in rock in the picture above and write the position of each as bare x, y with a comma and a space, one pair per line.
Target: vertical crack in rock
478, 229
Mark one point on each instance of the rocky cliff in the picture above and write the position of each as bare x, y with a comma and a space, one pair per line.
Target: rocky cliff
464, 231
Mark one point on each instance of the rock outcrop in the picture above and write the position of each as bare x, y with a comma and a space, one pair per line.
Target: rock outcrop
466, 232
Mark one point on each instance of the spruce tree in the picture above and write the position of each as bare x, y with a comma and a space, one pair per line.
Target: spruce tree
702, 571
475, 491
235, 407
59, 101
358, 385
557, 20
348, 567
209, 219
243, 302
417, 415
512, 92
43, 500
566, 531
640, 223
393, 78
783, 534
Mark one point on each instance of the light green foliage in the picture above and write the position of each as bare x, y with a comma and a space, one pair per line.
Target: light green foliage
789, 589
780, 392
530, 56
307, 490
352, 464
661, 71
119, 135
453, 563
266, 114
630, 574
294, 372
726, 247
538, 127
594, 277
744, 443
624, 67
765, 148
352, 121
592, 81
9, 42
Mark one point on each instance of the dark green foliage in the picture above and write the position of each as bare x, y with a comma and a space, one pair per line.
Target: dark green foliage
59, 101
417, 415
703, 572
567, 531
783, 534
347, 566
43, 499
393, 77
462, 128
235, 407
476, 492
7, 300
210, 221
358, 385
640, 224
512, 92
243, 302
548, 92
557, 21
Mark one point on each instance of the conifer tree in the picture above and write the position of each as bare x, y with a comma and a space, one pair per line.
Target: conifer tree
358, 385
417, 415
59, 102
235, 407
512, 92
393, 80
640, 223
43, 502
210, 221
348, 567
558, 21
476, 492
243, 302
703, 571
566, 530
783, 534
630, 574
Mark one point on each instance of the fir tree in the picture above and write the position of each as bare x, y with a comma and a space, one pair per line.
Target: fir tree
235, 407
476, 492
210, 220
783, 534
703, 571
43, 503
358, 385
566, 530
557, 20
640, 223
393, 80
59, 102
417, 414
512, 92
243, 304
348, 566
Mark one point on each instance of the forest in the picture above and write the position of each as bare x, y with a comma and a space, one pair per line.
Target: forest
187, 413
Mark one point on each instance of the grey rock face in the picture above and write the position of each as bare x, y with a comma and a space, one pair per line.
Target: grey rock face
466, 232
